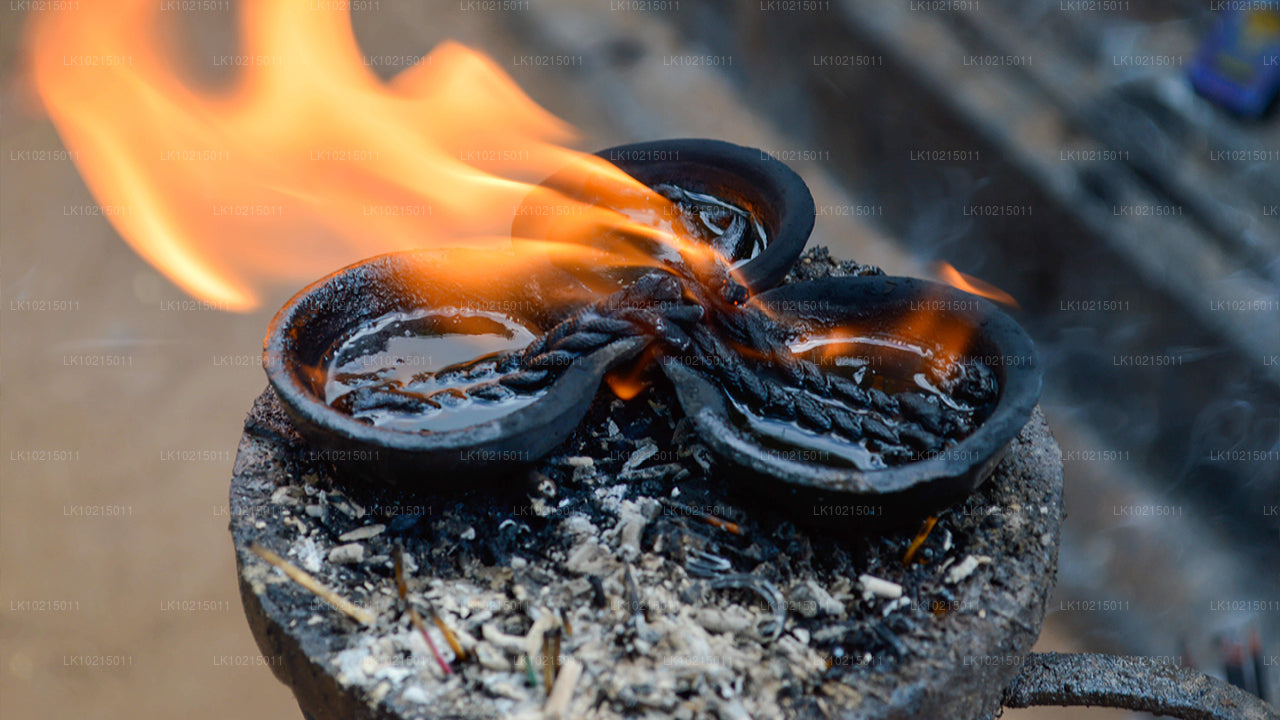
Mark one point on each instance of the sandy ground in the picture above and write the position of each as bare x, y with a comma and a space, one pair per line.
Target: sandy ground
120, 410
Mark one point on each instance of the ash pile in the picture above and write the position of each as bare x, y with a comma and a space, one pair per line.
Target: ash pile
626, 575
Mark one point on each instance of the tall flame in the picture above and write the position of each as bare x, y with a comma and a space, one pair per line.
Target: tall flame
308, 161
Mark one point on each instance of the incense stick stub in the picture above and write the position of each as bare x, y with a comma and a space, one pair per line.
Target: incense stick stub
301, 577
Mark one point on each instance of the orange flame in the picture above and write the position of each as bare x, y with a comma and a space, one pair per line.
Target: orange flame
971, 284
630, 380
948, 341
925, 327
308, 161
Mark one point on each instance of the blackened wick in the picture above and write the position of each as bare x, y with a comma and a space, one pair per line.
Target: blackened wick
694, 313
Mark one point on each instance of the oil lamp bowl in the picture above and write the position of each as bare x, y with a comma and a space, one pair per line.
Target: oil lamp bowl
878, 306
303, 334
747, 178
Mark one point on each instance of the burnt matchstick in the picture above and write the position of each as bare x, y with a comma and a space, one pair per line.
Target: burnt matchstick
548, 670
556, 634
531, 678
449, 636
919, 539
414, 617
707, 518
1232, 653
1259, 665
301, 577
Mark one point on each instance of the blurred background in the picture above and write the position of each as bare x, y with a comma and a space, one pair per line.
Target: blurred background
1054, 148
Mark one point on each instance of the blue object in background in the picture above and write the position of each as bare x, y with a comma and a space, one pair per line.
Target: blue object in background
1238, 66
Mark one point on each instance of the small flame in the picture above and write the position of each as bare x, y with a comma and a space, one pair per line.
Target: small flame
628, 381
971, 284
926, 326
308, 161
947, 340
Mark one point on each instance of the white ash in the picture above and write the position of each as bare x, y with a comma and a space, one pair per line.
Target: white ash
362, 533
660, 645
647, 449
873, 587
811, 600
632, 518
895, 606
308, 554
966, 568
349, 554
590, 558
288, 495
717, 647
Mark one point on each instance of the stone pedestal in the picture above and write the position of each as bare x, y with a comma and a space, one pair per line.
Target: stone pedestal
995, 556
